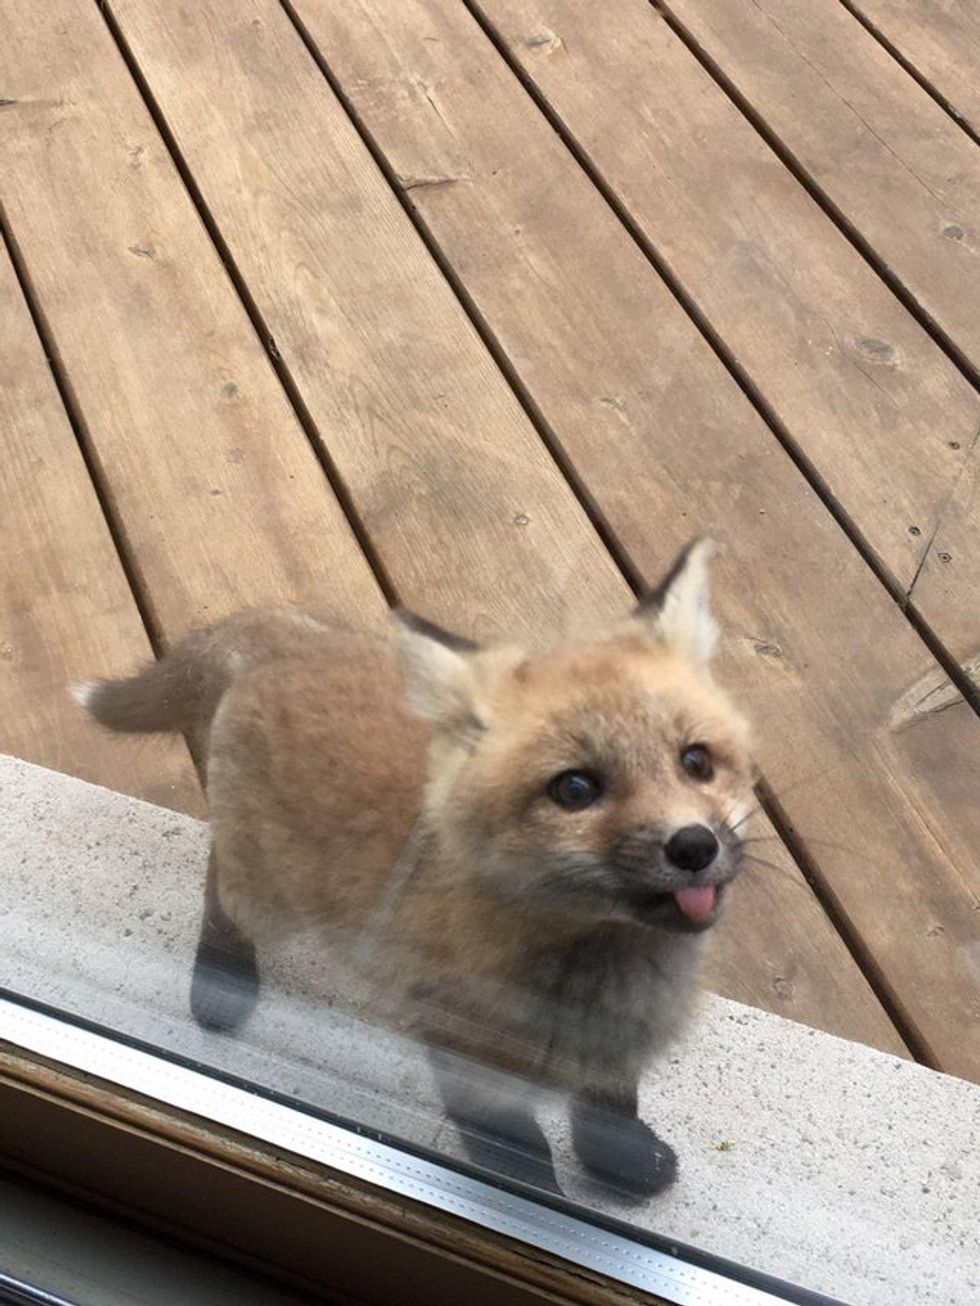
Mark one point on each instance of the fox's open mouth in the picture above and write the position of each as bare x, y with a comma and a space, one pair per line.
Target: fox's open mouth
697, 903
693, 908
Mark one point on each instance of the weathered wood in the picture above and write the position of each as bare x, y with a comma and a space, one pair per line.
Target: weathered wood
666, 444
908, 179
469, 513
940, 39
219, 497
209, 91
872, 403
880, 148
65, 605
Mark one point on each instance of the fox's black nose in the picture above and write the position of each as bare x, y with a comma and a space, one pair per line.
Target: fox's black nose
692, 848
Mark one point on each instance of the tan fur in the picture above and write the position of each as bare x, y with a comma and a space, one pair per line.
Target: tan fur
430, 850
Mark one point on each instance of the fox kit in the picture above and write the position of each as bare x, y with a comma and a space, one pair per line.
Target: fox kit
527, 848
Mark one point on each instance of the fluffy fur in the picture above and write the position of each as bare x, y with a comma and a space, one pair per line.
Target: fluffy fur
402, 796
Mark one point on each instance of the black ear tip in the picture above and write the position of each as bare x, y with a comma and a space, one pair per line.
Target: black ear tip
653, 600
421, 626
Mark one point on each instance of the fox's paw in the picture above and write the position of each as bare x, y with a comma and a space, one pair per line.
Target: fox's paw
623, 1152
224, 988
511, 1145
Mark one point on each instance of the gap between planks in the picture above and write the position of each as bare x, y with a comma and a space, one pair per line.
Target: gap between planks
930, 89
401, 189
117, 532
265, 337
968, 689
817, 193
769, 803
624, 563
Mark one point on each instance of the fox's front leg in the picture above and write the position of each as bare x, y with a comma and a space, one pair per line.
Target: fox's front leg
225, 984
615, 1146
495, 1119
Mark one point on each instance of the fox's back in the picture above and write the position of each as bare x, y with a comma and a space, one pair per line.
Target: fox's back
315, 775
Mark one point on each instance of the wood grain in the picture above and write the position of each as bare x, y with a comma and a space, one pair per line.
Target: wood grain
880, 148
469, 513
874, 406
219, 498
891, 160
214, 76
941, 41
907, 178
666, 444
65, 605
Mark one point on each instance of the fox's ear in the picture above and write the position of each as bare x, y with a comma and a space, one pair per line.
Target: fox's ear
438, 672
678, 610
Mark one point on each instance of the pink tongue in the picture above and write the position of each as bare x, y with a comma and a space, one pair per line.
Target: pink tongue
697, 903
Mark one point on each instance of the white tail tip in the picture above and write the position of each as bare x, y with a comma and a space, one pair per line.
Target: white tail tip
83, 691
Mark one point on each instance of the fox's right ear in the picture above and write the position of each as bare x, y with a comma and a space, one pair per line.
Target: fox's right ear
678, 610
438, 672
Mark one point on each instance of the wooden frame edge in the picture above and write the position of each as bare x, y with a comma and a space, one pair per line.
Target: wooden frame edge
294, 1220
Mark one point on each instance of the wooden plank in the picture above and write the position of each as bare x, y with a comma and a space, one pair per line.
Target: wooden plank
875, 407
215, 75
940, 41
219, 496
880, 148
447, 474
666, 444
65, 605
895, 165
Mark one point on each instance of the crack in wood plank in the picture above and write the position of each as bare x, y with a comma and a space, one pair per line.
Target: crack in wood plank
415, 183
930, 694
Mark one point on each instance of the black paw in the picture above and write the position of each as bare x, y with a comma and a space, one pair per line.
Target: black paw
224, 987
623, 1152
511, 1145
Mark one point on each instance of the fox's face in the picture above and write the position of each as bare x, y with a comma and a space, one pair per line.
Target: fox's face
609, 779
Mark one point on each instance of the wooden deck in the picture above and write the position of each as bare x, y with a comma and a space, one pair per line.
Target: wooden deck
486, 307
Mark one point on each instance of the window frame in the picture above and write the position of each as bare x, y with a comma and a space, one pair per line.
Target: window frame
90, 1113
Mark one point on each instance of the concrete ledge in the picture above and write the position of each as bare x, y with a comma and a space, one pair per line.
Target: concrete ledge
822, 1162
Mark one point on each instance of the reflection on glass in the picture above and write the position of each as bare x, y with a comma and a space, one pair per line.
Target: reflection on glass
456, 897
511, 857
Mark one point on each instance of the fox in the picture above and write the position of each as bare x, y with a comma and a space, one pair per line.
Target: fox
523, 850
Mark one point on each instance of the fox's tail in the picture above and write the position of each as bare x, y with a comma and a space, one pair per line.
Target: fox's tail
181, 692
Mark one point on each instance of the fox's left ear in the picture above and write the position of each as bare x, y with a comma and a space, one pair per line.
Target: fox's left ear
678, 610
438, 672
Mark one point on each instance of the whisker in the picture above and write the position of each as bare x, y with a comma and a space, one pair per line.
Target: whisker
761, 861
785, 871
828, 843
742, 819
804, 779
806, 840
764, 791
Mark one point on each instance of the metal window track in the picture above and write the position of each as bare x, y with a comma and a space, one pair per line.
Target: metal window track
15, 1292
574, 1239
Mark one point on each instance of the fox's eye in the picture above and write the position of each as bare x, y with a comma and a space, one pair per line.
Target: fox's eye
696, 761
574, 790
